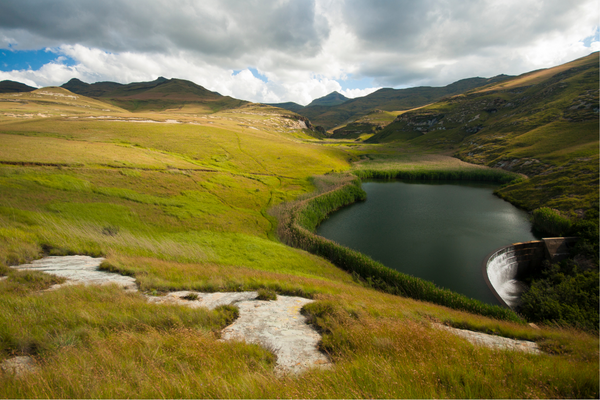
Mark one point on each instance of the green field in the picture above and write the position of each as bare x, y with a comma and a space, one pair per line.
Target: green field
182, 199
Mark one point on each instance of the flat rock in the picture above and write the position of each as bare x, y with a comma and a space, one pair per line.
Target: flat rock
78, 270
278, 326
18, 366
208, 300
492, 341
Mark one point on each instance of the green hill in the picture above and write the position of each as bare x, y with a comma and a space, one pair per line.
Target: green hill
185, 198
543, 124
158, 95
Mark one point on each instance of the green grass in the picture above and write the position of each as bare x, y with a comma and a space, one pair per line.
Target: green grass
185, 207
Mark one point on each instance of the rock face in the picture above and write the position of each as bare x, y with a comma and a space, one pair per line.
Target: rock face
276, 325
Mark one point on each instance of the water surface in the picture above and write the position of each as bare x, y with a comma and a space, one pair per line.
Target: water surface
437, 231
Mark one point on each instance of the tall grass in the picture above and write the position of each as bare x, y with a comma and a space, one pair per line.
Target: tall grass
300, 220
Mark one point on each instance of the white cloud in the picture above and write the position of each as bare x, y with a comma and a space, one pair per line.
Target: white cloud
303, 48
353, 93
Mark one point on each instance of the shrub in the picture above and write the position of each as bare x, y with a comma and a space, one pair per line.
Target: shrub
550, 222
565, 296
266, 294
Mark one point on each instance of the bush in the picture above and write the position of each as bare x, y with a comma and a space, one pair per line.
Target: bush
564, 295
550, 222
266, 294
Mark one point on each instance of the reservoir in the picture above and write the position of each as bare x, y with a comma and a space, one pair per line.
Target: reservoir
439, 231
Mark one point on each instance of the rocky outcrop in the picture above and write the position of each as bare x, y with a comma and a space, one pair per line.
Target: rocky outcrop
421, 121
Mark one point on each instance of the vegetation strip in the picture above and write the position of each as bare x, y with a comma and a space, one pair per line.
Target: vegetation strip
297, 229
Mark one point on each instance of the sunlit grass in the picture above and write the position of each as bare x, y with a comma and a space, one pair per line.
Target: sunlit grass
184, 207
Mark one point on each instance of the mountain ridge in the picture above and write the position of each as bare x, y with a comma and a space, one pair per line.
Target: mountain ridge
159, 94
386, 99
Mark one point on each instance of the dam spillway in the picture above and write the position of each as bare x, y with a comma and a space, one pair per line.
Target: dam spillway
504, 268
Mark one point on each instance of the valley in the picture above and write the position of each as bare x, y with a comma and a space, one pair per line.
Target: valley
183, 189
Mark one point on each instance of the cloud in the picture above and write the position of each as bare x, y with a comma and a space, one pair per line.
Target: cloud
435, 42
217, 29
304, 48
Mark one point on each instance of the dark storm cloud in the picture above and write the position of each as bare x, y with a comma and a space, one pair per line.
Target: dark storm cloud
225, 28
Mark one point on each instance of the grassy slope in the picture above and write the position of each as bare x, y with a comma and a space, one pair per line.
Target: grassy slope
366, 126
543, 124
184, 206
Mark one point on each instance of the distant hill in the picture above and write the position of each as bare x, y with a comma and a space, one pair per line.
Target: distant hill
322, 113
290, 106
160, 94
332, 99
14, 87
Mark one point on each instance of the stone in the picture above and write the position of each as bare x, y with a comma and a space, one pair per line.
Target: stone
278, 325
492, 341
18, 366
78, 270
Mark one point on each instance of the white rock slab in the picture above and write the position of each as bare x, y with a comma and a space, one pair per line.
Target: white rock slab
78, 270
278, 325
493, 341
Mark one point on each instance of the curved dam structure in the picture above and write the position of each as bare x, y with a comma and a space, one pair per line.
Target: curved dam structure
504, 268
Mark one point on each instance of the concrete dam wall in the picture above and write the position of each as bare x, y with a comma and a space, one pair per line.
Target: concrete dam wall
504, 268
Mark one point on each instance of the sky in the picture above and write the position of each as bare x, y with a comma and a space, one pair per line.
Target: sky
275, 51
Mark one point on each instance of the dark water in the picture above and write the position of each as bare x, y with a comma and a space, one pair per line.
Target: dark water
436, 231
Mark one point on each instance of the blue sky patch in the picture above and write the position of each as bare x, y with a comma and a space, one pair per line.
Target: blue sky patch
11, 60
352, 83
587, 42
254, 71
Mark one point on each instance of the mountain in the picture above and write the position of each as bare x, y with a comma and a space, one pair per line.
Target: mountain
322, 113
158, 95
332, 99
94, 90
543, 124
14, 87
